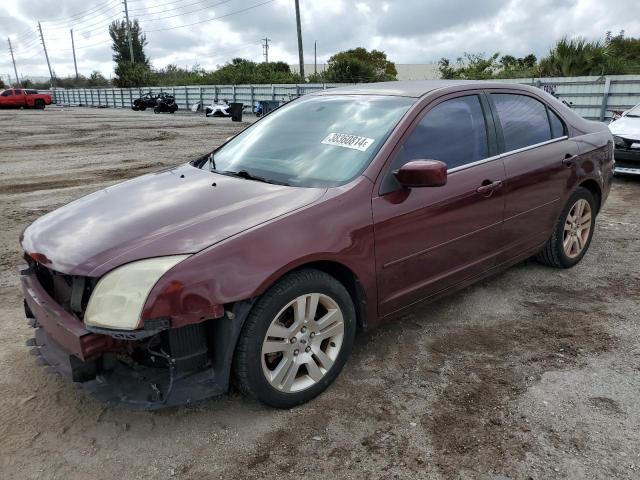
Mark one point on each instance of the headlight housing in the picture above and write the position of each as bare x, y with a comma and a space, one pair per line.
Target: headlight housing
619, 142
118, 298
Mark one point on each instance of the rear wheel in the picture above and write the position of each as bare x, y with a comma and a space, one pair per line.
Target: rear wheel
135, 108
572, 233
296, 339
143, 108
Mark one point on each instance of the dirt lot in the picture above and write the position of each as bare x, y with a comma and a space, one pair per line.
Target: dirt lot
533, 374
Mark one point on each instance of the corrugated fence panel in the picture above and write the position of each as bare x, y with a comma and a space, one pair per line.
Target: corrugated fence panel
586, 95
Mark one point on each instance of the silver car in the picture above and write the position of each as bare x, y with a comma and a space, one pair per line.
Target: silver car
626, 134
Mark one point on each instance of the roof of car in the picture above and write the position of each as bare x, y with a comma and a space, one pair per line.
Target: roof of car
412, 88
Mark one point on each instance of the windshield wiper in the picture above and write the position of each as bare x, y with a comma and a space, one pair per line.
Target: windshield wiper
632, 115
249, 176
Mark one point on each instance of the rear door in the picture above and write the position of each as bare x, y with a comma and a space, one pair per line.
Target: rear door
19, 98
537, 157
432, 238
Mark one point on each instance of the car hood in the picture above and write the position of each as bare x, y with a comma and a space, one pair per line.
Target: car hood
178, 211
627, 127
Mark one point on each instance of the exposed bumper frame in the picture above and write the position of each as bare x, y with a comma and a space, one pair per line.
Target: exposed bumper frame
66, 347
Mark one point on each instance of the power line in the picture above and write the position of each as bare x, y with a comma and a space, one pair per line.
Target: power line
66, 19
182, 13
146, 9
210, 19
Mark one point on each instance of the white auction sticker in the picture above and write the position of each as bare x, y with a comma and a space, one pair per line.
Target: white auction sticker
348, 141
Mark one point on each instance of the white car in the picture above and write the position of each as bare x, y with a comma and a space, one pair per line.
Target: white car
626, 134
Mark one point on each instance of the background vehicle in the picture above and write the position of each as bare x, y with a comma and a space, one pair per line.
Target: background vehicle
626, 134
218, 109
165, 103
19, 98
148, 100
260, 260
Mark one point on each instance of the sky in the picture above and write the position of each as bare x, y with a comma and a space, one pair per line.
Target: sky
211, 32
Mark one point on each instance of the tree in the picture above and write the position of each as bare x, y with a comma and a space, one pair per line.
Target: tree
243, 71
623, 52
129, 74
471, 66
132, 75
96, 79
575, 57
359, 65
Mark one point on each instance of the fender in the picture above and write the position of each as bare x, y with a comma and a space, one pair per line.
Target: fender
244, 266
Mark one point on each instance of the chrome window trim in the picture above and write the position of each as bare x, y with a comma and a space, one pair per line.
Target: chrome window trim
506, 154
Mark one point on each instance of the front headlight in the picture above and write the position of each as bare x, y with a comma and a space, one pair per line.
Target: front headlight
118, 298
619, 142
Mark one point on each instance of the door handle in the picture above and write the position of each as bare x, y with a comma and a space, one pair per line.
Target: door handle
569, 160
488, 188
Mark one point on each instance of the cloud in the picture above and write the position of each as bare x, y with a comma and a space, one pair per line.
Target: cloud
410, 31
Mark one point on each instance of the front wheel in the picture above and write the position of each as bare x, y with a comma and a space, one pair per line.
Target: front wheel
572, 233
296, 339
39, 104
142, 108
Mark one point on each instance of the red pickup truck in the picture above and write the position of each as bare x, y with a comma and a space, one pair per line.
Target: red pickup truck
16, 98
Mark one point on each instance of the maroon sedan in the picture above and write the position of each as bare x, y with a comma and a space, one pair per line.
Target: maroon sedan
260, 261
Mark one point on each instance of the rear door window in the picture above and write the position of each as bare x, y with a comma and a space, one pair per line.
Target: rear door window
453, 132
524, 120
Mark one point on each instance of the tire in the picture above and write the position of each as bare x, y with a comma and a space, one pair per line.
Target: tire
39, 104
156, 109
554, 253
278, 379
135, 108
143, 108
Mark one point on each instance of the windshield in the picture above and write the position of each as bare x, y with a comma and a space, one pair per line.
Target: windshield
634, 112
315, 141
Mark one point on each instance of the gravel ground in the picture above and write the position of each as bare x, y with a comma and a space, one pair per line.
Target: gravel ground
532, 374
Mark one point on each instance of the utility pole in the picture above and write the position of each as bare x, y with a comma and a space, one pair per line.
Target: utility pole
73, 47
265, 49
46, 55
126, 14
15, 70
315, 57
300, 54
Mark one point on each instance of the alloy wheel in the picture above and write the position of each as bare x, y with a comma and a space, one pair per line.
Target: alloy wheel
577, 228
302, 342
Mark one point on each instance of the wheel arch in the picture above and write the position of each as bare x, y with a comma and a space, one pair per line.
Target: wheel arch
342, 273
594, 187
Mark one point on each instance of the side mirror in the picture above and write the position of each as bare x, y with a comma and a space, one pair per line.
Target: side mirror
422, 173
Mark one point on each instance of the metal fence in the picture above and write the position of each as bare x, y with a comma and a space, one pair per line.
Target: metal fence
185, 96
592, 97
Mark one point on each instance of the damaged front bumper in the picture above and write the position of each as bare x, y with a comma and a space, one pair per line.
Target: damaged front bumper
627, 160
183, 366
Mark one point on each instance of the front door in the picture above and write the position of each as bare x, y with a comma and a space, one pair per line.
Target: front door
430, 239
